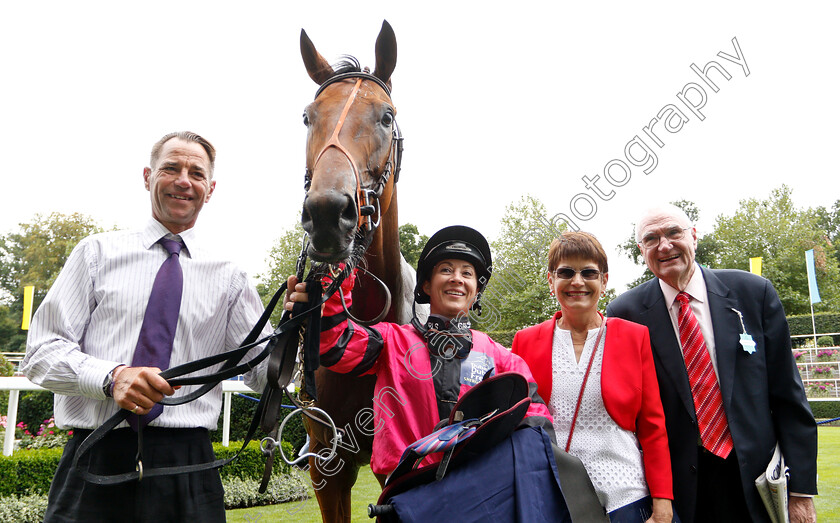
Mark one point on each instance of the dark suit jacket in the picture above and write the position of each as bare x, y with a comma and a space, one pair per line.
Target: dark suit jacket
762, 392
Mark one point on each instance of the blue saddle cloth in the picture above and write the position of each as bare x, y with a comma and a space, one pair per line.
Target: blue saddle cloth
514, 481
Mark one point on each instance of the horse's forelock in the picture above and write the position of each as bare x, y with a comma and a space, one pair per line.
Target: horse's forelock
347, 64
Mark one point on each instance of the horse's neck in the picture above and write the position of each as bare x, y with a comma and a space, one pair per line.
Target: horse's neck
384, 260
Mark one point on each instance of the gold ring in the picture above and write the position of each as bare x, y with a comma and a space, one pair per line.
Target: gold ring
134, 410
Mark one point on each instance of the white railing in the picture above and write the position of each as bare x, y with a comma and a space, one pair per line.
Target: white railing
16, 384
821, 377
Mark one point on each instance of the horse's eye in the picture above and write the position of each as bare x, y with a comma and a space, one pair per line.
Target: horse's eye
387, 119
306, 119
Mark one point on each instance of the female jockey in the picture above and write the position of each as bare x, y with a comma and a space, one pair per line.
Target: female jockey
422, 368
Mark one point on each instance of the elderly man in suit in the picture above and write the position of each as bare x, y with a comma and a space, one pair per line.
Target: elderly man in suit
729, 384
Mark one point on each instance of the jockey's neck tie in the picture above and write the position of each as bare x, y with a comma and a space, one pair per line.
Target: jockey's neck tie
708, 402
154, 347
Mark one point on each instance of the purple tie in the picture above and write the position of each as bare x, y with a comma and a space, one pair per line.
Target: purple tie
154, 348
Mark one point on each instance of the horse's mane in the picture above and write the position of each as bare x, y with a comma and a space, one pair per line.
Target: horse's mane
347, 64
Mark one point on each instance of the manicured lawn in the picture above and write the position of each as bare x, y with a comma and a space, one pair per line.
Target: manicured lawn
367, 491
828, 470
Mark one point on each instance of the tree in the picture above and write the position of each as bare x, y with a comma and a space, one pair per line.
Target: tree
411, 243
282, 259
282, 262
34, 256
706, 245
780, 233
517, 294
829, 221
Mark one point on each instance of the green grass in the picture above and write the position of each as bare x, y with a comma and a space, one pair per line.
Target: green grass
367, 491
828, 470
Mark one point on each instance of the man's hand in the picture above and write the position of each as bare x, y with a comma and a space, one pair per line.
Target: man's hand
802, 510
138, 388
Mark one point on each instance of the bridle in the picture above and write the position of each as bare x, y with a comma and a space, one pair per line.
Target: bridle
368, 198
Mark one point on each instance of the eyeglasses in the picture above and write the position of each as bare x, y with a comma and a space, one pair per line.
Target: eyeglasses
673, 234
567, 273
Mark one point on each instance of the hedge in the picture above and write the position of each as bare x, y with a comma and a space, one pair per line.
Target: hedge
242, 412
6, 369
239, 493
824, 321
825, 409
28, 471
31, 471
36, 406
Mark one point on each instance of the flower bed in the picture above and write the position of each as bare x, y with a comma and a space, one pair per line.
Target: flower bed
827, 355
822, 371
820, 388
48, 436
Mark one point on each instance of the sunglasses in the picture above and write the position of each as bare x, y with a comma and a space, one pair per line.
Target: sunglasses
567, 273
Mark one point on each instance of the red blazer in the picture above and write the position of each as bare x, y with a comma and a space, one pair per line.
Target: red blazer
628, 387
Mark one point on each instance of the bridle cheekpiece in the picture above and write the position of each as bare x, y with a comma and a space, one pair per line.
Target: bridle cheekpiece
367, 198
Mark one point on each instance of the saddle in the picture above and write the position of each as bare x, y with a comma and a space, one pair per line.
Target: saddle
491, 464
484, 416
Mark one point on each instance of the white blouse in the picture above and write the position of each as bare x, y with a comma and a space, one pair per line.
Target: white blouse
610, 454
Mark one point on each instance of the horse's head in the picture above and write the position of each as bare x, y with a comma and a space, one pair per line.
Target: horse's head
352, 148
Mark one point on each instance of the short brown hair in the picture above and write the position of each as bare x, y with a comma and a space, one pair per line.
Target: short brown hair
187, 136
574, 244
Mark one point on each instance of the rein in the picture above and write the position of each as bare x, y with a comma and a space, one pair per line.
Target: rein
298, 330
288, 332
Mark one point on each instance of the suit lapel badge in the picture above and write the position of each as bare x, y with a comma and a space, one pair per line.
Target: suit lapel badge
746, 340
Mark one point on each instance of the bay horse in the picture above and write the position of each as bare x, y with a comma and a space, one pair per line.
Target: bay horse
353, 149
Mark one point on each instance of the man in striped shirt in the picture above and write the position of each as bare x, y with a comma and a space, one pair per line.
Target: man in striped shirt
83, 338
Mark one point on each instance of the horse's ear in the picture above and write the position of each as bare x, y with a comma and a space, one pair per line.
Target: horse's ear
318, 68
386, 53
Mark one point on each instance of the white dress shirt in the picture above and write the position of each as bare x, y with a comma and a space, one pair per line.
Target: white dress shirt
699, 304
90, 321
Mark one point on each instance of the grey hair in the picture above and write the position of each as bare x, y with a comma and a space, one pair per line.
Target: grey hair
187, 136
662, 209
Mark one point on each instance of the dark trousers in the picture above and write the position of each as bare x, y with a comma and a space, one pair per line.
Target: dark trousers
720, 495
185, 497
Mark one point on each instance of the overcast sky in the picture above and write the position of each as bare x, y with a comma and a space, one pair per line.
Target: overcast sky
494, 103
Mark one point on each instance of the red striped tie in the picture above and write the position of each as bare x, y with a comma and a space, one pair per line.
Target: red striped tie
708, 403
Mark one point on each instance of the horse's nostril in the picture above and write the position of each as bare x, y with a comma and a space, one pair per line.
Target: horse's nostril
349, 212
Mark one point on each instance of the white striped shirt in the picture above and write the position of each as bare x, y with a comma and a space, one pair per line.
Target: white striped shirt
90, 321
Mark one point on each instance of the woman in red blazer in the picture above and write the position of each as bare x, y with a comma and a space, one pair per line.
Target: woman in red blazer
597, 377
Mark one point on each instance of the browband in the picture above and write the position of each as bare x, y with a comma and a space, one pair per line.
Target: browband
353, 74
